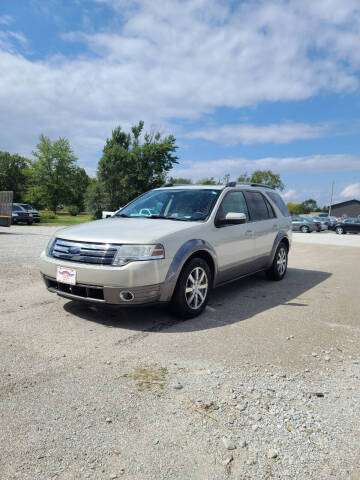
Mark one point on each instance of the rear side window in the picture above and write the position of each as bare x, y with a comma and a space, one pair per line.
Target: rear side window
270, 209
257, 206
279, 202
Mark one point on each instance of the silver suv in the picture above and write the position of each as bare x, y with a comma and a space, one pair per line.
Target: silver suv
172, 244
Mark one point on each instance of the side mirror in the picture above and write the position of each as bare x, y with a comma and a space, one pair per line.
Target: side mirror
232, 218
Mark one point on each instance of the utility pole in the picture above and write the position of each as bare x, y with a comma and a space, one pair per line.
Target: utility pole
331, 197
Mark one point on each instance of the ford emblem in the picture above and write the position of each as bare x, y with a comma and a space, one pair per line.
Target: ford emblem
74, 250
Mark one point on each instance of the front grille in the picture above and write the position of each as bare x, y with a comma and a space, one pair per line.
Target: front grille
98, 253
82, 291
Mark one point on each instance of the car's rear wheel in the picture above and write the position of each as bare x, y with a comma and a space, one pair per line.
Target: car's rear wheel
278, 268
29, 222
192, 289
304, 229
339, 230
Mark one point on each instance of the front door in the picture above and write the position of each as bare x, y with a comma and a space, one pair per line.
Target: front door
234, 244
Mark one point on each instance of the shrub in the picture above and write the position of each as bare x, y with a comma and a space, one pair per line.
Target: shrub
74, 210
47, 215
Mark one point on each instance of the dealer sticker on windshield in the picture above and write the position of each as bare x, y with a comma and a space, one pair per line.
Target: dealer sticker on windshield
66, 275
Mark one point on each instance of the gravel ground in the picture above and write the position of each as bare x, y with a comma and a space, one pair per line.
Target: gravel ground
264, 385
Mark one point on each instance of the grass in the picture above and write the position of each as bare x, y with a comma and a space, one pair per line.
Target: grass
152, 378
63, 218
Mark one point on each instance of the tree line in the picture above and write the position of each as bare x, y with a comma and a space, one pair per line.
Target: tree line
131, 163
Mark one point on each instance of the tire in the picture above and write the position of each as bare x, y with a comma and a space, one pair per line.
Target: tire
339, 230
278, 269
304, 229
29, 222
189, 304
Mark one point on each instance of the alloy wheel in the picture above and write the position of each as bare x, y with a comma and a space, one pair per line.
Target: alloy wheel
196, 288
281, 261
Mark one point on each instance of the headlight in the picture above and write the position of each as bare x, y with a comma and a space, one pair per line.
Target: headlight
15, 214
132, 253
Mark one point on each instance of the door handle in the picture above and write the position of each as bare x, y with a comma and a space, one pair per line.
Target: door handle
275, 225
248, 232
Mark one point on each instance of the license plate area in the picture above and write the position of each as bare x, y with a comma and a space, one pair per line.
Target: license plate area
66, 275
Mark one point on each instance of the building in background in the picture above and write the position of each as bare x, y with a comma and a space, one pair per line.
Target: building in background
350, 208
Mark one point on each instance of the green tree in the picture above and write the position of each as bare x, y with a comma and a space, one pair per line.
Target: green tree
309, 206
79, 184
180, 180
294, 208
132, 164
14, 174
266, 177
54, 168
96, 199
207, 181
244, 178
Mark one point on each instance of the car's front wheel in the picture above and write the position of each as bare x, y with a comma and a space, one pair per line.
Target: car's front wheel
339, 230
192, 289
304, 229
278, 268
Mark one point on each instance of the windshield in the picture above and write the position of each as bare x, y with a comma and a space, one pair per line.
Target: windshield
185, 205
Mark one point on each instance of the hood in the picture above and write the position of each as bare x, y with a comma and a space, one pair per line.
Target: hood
124, 230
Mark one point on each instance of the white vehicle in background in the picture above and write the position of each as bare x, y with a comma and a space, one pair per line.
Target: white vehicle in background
106, 214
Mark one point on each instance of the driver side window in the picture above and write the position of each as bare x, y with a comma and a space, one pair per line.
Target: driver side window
233, 202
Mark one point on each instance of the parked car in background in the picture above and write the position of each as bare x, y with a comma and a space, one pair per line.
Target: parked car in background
331, 222
107, 214
323, 222
31, 210
349, 225
20, 215
316, 223
302, 224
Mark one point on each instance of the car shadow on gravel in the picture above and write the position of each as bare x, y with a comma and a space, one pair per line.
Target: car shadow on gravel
231, 303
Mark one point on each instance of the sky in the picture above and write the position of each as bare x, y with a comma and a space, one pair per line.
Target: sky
242, 85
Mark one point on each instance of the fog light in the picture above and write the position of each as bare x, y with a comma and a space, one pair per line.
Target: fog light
126, 296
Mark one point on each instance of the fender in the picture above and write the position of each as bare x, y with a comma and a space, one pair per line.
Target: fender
182, 255
279, 237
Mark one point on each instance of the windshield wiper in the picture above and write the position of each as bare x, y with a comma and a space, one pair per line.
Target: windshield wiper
167, 218
122, 215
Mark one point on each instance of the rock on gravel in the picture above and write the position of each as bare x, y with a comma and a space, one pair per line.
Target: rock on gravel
229, 444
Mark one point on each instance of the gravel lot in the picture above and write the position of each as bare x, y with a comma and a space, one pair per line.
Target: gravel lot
264, 385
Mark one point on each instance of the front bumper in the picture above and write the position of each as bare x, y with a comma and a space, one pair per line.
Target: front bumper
149, 294
107, 284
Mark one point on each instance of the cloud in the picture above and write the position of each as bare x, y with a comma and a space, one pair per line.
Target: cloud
6, 19
180, 59
290, 194
11, 41
351, 191
236, 166
250, 134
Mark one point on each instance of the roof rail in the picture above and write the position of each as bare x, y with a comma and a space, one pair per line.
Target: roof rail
249, 184
177, 185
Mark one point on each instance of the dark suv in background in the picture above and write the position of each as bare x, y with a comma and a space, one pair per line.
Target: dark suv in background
20, 215
31, 210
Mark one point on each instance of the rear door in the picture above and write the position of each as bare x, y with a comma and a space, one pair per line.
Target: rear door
264, 224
